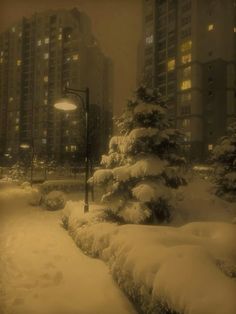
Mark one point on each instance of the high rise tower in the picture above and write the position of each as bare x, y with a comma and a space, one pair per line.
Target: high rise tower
38, 56
189, 49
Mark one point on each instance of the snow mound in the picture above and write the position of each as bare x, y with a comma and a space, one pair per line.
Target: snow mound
166, 269
54, 200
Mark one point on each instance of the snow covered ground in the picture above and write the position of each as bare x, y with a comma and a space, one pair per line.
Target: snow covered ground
188, 267
42, 270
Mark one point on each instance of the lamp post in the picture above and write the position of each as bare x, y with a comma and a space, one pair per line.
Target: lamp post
26, 146
66, 105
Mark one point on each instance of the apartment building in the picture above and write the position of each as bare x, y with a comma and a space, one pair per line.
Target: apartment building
38, 57
189, 54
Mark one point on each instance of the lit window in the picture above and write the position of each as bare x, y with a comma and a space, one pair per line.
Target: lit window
66, 148
69, 36
45, 78
17, 127
39, 42
234, 29
210, 27
73, 148
68, 59
46, 55
187, 45
11, 99
210, 147
46, 40
75, 57
18, 62
13, 29
20, 35
171, 65
45, 102
186, 123
187, 58
187, 136
74, 122
1, 60
67, 132
44, 140
17, 120
186, 84
60, 37
2, 53
45, 133
149, 39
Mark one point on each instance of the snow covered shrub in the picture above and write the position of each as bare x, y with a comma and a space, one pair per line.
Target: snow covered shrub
143, 164
54, 200
224, 159
17, 172
35, 197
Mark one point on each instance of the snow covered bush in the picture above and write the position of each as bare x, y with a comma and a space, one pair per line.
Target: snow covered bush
17, 172
143, 164
54, 200
224, 158
163, 269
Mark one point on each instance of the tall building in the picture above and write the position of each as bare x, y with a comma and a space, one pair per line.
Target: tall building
38, 57
189, 54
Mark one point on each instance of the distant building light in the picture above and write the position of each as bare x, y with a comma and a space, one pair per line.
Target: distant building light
75, 57
17, 120
45, 79
69, 36
171, 65
68, 59
60, 37
46, 40
74, 122
20, 34
18, 62
1, 60
45, 101
2, 53
186, 58
149, 39
66, 148
17, 128
187, 72
73, 148
67, 132
186, 84
187, 45
210, 27
39, 43
44, 140
46, 55
11, 99
210, 147
45, 132
234, 29
13, 29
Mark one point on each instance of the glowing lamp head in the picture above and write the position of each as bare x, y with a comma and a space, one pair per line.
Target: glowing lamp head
24, 146
65, 104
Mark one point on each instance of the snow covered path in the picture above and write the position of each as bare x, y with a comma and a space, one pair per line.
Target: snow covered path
43, 272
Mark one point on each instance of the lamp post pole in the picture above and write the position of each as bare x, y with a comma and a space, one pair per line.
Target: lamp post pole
85, 103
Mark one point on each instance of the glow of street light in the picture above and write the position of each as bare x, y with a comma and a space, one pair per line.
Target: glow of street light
65, 104
24, 146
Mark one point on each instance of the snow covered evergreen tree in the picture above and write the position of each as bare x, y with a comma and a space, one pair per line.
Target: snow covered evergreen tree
224, 158
143, 164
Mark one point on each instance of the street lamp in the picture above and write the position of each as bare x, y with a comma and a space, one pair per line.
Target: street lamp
66, 104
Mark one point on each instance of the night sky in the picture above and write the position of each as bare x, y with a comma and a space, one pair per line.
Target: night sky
115, 23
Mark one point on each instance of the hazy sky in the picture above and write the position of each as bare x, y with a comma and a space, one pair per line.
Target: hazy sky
115, 23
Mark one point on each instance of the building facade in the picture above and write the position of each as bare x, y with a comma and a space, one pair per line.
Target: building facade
189, 54
38, 57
